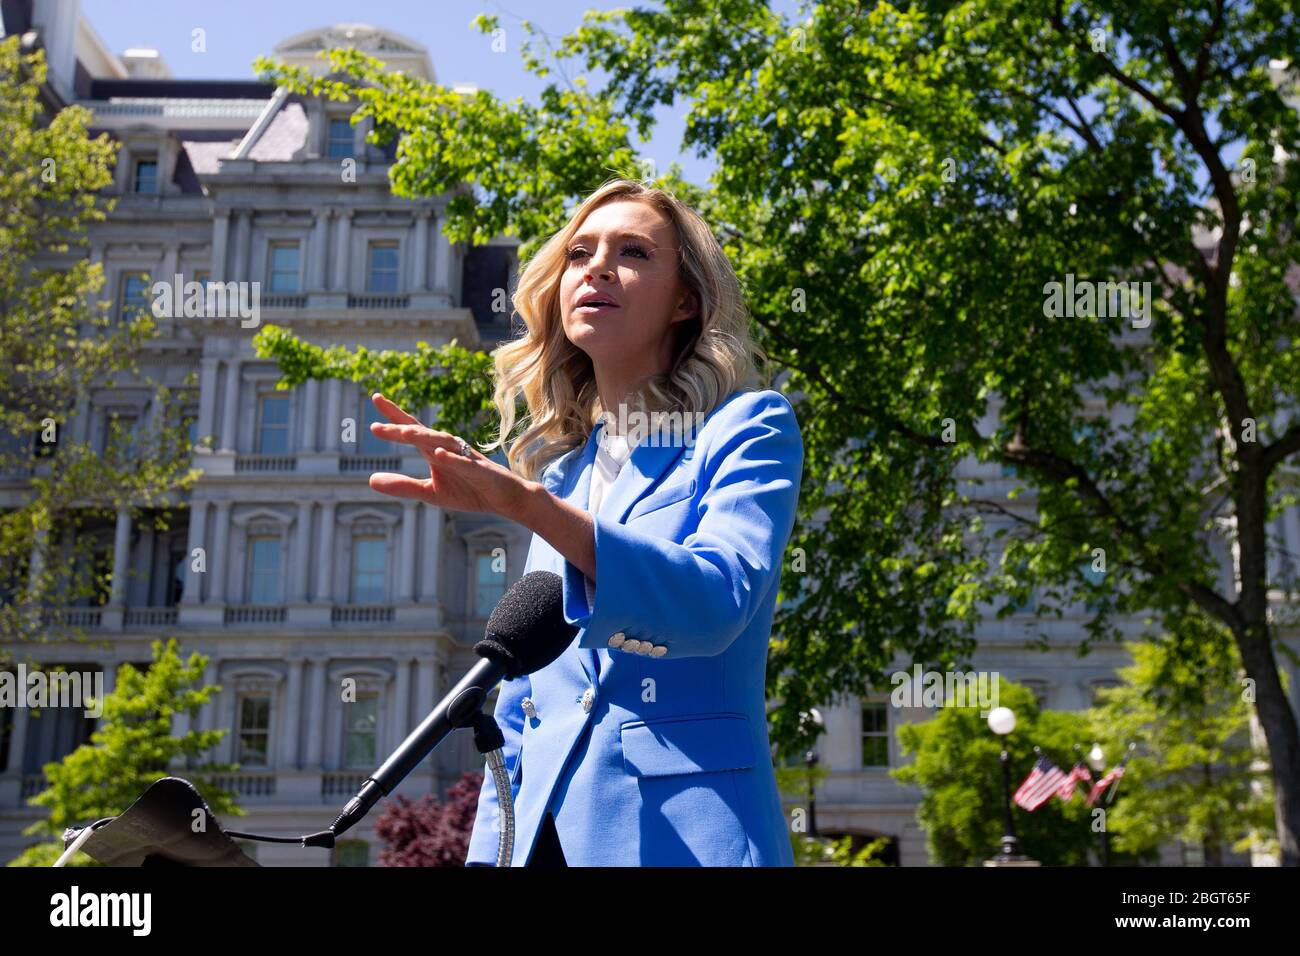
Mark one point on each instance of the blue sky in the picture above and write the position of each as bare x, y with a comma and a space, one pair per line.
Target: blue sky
240, 30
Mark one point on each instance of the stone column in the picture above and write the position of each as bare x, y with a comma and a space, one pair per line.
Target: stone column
302, 554
243, 240
310, 415
430, 552
218, 556
420, 228
320, 250
220, 243
341, 251
121, 556
207, 396
231, 405
441, 259
17, 743
170, 258
333, 396
193, 593
291, 722
406, 570
315, 713
81, 419
325, 562
424, 686
401, 705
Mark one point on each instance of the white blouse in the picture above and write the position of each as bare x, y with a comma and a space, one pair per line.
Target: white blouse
612, 452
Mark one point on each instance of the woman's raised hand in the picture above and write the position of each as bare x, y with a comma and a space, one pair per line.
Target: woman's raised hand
476, 483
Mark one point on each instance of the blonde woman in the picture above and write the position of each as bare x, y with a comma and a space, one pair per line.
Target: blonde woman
645, 743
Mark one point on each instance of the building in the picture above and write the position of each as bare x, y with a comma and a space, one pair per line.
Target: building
316, 585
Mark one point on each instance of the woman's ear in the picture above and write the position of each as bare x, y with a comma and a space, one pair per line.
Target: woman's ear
688, 306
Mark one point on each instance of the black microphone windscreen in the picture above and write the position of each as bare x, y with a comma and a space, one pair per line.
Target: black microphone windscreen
527, 629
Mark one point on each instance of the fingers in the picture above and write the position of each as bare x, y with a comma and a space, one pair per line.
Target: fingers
424, 438
391, 411
402, 486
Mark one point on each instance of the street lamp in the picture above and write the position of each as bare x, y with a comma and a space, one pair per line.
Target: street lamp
812, 715
1002, 720
1097, 761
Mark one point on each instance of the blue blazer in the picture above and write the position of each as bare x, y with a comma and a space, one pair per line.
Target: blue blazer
647, 738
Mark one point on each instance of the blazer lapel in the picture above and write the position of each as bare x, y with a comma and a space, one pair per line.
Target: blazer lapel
644, 467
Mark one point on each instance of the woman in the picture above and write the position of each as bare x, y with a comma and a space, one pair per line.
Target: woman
646, 742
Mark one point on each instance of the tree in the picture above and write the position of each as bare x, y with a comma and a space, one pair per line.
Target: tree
958, 770
131, 749
906, 192
58, 342
1195, 776
427, 832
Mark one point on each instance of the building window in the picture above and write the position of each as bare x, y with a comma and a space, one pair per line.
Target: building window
1095, 579
360, 731
177, 561
369, 443
875, 734
264, 570
190, 420
489, 583
120, 427
351, 853
381, 267
145, 180
134, 297
283, 267
368, 567
340, 139
273, 425
254, 730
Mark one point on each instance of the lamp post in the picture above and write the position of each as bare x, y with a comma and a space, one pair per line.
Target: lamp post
1097, 761
1002, 720
810, 758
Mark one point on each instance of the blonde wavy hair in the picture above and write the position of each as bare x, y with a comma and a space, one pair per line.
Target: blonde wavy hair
713, 353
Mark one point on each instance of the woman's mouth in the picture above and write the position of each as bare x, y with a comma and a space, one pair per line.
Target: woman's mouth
593, 308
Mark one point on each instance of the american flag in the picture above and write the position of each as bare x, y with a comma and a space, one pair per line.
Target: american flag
1115, 773
1043, 781
1078, 773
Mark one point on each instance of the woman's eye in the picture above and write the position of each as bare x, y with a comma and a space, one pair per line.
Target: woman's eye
577, 251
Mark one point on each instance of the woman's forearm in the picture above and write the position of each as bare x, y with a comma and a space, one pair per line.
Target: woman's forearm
565, 527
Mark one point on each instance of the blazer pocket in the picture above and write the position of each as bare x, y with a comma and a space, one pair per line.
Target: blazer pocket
662, 498
695, 744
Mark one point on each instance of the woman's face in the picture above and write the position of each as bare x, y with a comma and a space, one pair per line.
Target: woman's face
624, 253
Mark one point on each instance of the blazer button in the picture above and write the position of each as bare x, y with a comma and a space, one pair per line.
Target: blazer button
631, 646
659, 650
529, 709
617, 639
588, 698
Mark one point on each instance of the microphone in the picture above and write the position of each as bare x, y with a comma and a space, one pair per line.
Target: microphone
525, 632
